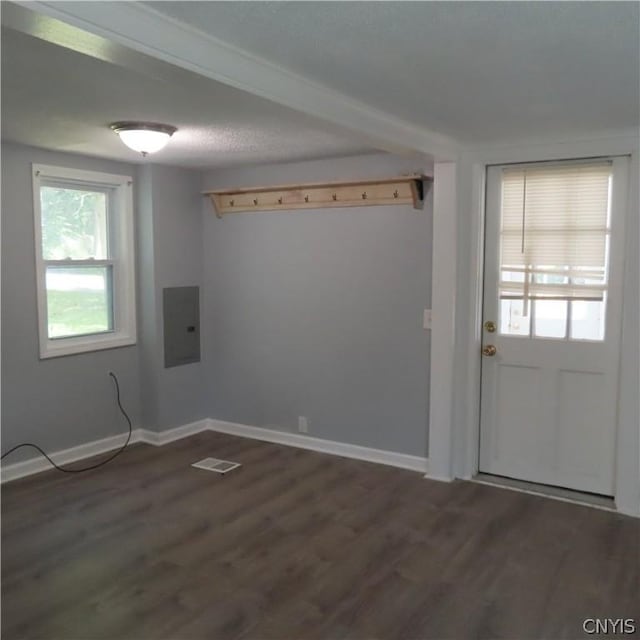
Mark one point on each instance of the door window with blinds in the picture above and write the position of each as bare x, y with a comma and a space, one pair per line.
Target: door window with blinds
554, 253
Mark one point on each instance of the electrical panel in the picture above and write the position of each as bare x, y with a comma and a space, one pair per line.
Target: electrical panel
181, 316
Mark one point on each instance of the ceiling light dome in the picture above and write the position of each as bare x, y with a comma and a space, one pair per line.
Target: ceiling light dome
144, 137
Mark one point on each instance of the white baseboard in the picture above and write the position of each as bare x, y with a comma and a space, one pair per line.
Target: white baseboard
158, 438
391, 458
428, 476
17, 470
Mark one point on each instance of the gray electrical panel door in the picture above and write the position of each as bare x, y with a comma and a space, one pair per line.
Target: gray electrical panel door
181, 315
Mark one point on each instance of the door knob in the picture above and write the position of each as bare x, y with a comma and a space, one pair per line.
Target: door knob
490, 326
489, 350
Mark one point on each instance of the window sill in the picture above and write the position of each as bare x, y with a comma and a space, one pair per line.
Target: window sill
84, 344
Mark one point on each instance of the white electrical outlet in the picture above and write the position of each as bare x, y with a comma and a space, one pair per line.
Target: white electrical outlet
303, 424
426, 320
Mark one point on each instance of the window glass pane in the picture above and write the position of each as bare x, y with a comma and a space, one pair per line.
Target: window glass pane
587, 320
79, 301
588, 275
513, 322
512, 276
74, 223
550, 318
550, 275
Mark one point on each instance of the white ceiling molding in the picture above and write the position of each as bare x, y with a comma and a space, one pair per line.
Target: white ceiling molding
145, 30
608, 143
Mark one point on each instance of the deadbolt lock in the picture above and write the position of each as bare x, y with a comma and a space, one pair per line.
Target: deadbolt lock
489, 350
490, 326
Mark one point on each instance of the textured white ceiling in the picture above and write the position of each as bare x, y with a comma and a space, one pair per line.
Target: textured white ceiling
57, 98
478, 71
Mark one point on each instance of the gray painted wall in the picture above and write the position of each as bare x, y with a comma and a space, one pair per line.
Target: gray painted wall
170, 252
315, 313
59, 402
319, 313
63, 402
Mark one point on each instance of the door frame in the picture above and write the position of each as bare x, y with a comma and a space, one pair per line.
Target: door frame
471, 201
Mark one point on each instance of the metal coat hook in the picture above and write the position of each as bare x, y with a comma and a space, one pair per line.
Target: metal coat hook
231, 203
306, 198
255, 201
335, 196
364, 195
395, 193
279, 200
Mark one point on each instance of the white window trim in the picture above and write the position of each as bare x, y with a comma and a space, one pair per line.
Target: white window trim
124, 301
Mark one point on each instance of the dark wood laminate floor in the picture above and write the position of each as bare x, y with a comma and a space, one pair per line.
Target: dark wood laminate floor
301, 545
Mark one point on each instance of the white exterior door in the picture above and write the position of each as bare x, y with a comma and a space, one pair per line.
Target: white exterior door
552, 321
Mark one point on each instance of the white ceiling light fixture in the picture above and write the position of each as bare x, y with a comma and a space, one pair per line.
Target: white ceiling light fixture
144, 137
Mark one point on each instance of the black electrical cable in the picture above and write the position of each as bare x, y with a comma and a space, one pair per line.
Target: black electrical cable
93, 466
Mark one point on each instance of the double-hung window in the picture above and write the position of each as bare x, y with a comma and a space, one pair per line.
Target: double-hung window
84, 260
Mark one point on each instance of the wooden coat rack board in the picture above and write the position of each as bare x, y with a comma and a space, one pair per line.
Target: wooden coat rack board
408, 190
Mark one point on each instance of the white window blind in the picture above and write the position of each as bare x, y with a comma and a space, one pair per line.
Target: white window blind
554, 231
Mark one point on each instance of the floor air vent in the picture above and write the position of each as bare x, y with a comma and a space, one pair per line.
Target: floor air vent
213, 464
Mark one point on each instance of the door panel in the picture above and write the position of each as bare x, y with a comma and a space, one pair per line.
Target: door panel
581, 411
514, 441
549, 394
